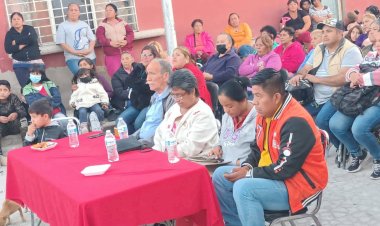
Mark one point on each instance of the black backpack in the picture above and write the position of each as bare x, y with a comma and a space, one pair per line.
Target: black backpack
303, 93
354, 101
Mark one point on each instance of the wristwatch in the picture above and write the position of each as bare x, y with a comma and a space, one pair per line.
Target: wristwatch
249, 172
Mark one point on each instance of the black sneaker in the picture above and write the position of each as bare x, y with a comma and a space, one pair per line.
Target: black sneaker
376, 170
356, 163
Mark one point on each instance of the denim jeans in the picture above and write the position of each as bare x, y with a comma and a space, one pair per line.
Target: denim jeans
129, 116
323, 114
140, 118
22, 75
356, 131
244, 201
72, 64
82, 112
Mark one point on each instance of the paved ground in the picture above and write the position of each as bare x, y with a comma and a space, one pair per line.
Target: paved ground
349, 199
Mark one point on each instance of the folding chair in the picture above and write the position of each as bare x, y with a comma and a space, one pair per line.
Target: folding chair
76, 121
282, 217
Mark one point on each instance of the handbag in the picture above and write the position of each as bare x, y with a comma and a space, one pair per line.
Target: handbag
354, 101
128, 144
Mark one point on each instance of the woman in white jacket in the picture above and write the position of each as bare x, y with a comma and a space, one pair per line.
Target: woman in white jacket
189, 119
89, 97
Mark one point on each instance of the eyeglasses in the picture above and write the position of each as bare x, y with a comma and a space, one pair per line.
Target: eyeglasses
177, 97
146, 55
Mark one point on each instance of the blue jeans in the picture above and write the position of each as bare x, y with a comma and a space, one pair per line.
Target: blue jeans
323, 114
356, 131
72, 64
140, 118
129, 116
244, 201
82, 112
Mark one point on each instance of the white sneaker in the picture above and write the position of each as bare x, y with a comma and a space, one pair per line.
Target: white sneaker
3, 160
83, 128
94, 122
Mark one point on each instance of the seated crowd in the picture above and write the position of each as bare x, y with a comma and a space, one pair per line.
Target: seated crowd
272, 142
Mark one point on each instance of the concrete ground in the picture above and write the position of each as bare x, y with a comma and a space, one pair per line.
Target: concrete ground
348, 200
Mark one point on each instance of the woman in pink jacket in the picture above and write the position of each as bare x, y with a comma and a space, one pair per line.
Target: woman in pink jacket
265, 58
199, 43
116, 37
290, 51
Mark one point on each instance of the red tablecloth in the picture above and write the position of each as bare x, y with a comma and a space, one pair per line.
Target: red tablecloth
141, 188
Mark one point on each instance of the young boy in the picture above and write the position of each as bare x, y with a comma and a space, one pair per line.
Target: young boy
11, 111
42, 128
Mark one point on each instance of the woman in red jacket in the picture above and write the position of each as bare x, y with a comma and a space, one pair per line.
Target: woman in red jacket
182, 59
290, 51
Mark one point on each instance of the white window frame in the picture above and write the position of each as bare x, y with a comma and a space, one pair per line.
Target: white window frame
51, 47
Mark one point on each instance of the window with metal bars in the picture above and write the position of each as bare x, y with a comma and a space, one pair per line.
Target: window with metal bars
46, 15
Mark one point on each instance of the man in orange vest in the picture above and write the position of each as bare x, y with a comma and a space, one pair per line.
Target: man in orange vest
286, 167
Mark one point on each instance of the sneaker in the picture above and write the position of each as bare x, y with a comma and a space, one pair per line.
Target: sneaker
83, 128
376, 170
356, 163
94, 122
3, 160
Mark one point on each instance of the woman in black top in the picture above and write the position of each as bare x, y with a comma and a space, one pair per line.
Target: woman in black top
22, 42
299, 20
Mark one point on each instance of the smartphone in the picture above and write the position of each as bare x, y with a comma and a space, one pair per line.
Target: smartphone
96, 135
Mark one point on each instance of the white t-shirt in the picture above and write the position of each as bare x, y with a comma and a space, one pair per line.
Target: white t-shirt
77, 35
351, 58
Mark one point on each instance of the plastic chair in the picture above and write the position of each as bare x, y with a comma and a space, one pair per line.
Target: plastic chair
76, 121
282, 217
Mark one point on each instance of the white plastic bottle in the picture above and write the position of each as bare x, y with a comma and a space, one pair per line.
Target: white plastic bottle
72, 133
171, 147
122, 128
110, 141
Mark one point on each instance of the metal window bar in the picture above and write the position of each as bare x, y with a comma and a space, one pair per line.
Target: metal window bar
127, 10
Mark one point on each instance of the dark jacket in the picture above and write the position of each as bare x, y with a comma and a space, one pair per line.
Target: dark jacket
51, 132
131, 87
13, 104
222, 68
28, 37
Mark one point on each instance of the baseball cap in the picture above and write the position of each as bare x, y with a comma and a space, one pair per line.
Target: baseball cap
331, 22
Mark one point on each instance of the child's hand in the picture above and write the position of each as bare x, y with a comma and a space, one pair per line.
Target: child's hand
4, 119
105, 106
73, 105
31, 129
12, 116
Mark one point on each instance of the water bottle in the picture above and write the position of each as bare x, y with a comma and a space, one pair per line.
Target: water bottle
171, 147
122, 128
110, 141
72, 133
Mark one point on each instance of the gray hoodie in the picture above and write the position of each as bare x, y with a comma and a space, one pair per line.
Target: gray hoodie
236, 144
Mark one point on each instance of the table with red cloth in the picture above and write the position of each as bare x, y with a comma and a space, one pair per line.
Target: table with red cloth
141, 188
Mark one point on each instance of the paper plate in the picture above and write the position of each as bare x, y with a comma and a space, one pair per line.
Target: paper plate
49, 145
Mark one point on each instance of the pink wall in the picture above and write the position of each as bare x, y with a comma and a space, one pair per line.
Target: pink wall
214, 15
351, 5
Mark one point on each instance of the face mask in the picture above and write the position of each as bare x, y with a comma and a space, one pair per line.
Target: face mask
35, 78
86, 79
221, 48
